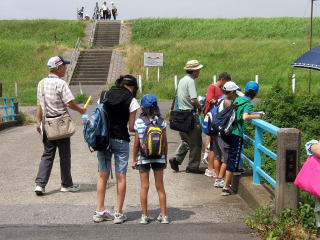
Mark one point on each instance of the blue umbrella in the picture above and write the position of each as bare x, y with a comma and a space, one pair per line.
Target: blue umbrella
309, 60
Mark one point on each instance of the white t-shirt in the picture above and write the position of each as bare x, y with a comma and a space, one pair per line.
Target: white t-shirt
134, 105
104, 7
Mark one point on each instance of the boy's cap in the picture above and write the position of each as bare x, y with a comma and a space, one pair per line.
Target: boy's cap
252, 86
56, 61
149, 100
231, 86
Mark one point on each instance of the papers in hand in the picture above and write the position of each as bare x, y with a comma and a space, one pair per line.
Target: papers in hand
41, 130
254, 113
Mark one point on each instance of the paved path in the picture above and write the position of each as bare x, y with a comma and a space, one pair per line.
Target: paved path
195, 207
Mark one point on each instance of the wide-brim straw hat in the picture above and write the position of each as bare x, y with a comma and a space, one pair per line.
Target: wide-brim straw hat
193, 65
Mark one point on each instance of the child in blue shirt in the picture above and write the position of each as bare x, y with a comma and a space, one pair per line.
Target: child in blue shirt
150, 110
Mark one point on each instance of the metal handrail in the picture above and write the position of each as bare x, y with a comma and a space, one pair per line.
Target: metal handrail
73, 60
5, 107
259, 149
90, 41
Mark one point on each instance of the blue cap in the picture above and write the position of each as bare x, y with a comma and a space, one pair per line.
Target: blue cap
251, 86
149, 100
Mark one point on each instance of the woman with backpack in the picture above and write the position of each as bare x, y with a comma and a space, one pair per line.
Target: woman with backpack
120, 106
150, 151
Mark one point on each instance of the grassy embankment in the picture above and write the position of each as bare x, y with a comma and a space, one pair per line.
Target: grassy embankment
243, 47
25, 47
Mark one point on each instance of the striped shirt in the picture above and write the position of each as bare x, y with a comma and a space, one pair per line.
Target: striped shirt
140, 127
57, 95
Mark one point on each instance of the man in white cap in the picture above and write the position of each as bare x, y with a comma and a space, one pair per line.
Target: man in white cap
54, 94
187, 101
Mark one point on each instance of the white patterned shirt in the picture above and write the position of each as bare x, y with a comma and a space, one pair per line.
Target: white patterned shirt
140, 127
57, 95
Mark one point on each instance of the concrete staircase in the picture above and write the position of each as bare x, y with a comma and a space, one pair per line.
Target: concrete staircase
107, 33
92, 67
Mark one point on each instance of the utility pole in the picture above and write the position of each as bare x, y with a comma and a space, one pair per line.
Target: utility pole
310, 45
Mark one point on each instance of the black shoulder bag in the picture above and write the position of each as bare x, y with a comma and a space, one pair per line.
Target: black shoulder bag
180, 120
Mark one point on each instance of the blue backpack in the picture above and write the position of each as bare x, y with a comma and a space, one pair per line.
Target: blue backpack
96, 130
223, 121
207, 126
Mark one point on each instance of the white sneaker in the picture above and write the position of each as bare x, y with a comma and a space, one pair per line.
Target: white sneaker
219, 183
73, 188
102, 216
163, 219
39, 190
119, 218
210, 173
146, 219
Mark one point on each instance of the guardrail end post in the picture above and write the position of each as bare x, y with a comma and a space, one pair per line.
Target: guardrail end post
286, 193
0, 89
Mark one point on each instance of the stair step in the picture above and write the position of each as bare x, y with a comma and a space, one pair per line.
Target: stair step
88, 82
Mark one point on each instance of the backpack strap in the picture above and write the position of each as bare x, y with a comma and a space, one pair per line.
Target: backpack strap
146, 120
103, 96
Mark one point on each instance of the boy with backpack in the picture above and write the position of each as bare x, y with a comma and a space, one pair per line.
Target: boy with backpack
214, 92
234, 139
150, 151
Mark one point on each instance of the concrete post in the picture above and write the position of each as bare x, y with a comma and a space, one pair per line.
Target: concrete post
0, 89
16, 108
286, 192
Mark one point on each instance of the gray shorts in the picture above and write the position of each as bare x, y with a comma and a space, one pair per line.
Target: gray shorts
215, 148
224, 149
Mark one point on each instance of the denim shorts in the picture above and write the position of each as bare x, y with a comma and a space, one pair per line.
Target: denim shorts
120, 149
147, 166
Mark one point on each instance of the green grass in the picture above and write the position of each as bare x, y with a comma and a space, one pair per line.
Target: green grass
243, 47
25, 47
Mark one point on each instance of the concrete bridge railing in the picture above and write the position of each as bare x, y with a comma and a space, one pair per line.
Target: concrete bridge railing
287, 159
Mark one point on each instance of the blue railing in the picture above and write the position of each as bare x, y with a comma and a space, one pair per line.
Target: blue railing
259, 149
6, 103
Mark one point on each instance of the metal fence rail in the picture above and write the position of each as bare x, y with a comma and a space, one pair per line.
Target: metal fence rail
6, 104
73, 60
259, 149
90, 41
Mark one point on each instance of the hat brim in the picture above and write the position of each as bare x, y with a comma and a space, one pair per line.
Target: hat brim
194, 68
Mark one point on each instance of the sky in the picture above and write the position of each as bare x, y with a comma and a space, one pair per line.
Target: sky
131, 9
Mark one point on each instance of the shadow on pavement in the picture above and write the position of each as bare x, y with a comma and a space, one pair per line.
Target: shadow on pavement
176, 214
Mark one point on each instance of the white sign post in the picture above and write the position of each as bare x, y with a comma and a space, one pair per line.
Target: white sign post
293, 83
175, 82
16, 88
214, 79
152, 59
257, 78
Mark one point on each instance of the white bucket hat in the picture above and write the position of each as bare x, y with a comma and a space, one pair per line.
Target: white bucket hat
232, 86
193, 65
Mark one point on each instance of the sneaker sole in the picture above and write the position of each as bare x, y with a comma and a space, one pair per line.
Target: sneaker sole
64, 191
118, 221
39, 193
211, 176
101, 220
225, 194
